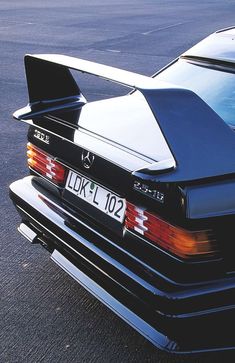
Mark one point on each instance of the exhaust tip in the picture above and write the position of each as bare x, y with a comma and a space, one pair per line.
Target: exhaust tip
27, 232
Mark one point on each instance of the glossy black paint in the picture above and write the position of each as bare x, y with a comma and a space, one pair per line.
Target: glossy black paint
183, 119
183, 313
55, 89
187, 123
177, 304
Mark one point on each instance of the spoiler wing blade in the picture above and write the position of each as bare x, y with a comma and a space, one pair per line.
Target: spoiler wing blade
201, 143
51, 86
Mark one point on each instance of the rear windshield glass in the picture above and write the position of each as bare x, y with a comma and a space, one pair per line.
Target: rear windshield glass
215, 87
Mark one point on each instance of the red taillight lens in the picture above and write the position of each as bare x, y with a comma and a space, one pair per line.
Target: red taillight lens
44, 164
179, 241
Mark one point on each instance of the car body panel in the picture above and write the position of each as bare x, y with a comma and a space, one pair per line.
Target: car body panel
174, 317
169, 155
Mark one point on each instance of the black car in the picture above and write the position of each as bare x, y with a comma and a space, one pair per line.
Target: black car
134, 196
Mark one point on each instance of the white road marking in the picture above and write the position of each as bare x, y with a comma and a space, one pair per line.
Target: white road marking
163, 28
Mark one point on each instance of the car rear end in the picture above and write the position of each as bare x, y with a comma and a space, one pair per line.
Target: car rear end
95, 200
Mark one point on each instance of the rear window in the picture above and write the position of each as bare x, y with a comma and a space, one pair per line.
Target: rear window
215, 87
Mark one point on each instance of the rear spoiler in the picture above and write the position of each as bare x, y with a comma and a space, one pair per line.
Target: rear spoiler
202, 145
51, 86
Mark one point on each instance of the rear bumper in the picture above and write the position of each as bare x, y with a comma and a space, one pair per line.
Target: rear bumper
175, 318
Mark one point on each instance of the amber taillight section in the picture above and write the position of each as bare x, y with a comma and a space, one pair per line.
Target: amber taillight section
44, 164
181, 242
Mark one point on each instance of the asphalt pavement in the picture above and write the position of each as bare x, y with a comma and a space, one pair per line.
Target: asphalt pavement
44, 315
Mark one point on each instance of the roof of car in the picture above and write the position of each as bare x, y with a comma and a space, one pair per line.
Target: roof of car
219, 46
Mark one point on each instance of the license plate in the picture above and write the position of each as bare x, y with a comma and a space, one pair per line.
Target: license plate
101, 198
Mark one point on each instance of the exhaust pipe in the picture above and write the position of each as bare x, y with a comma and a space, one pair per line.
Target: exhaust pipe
35, 237
28, 233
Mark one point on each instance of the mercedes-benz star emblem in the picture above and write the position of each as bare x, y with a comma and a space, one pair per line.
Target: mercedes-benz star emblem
87, 159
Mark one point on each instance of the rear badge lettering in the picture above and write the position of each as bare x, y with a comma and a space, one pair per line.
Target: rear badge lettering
41, 136
153, 193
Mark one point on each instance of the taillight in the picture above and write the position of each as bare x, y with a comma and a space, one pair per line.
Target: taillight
44, 164
181, 242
